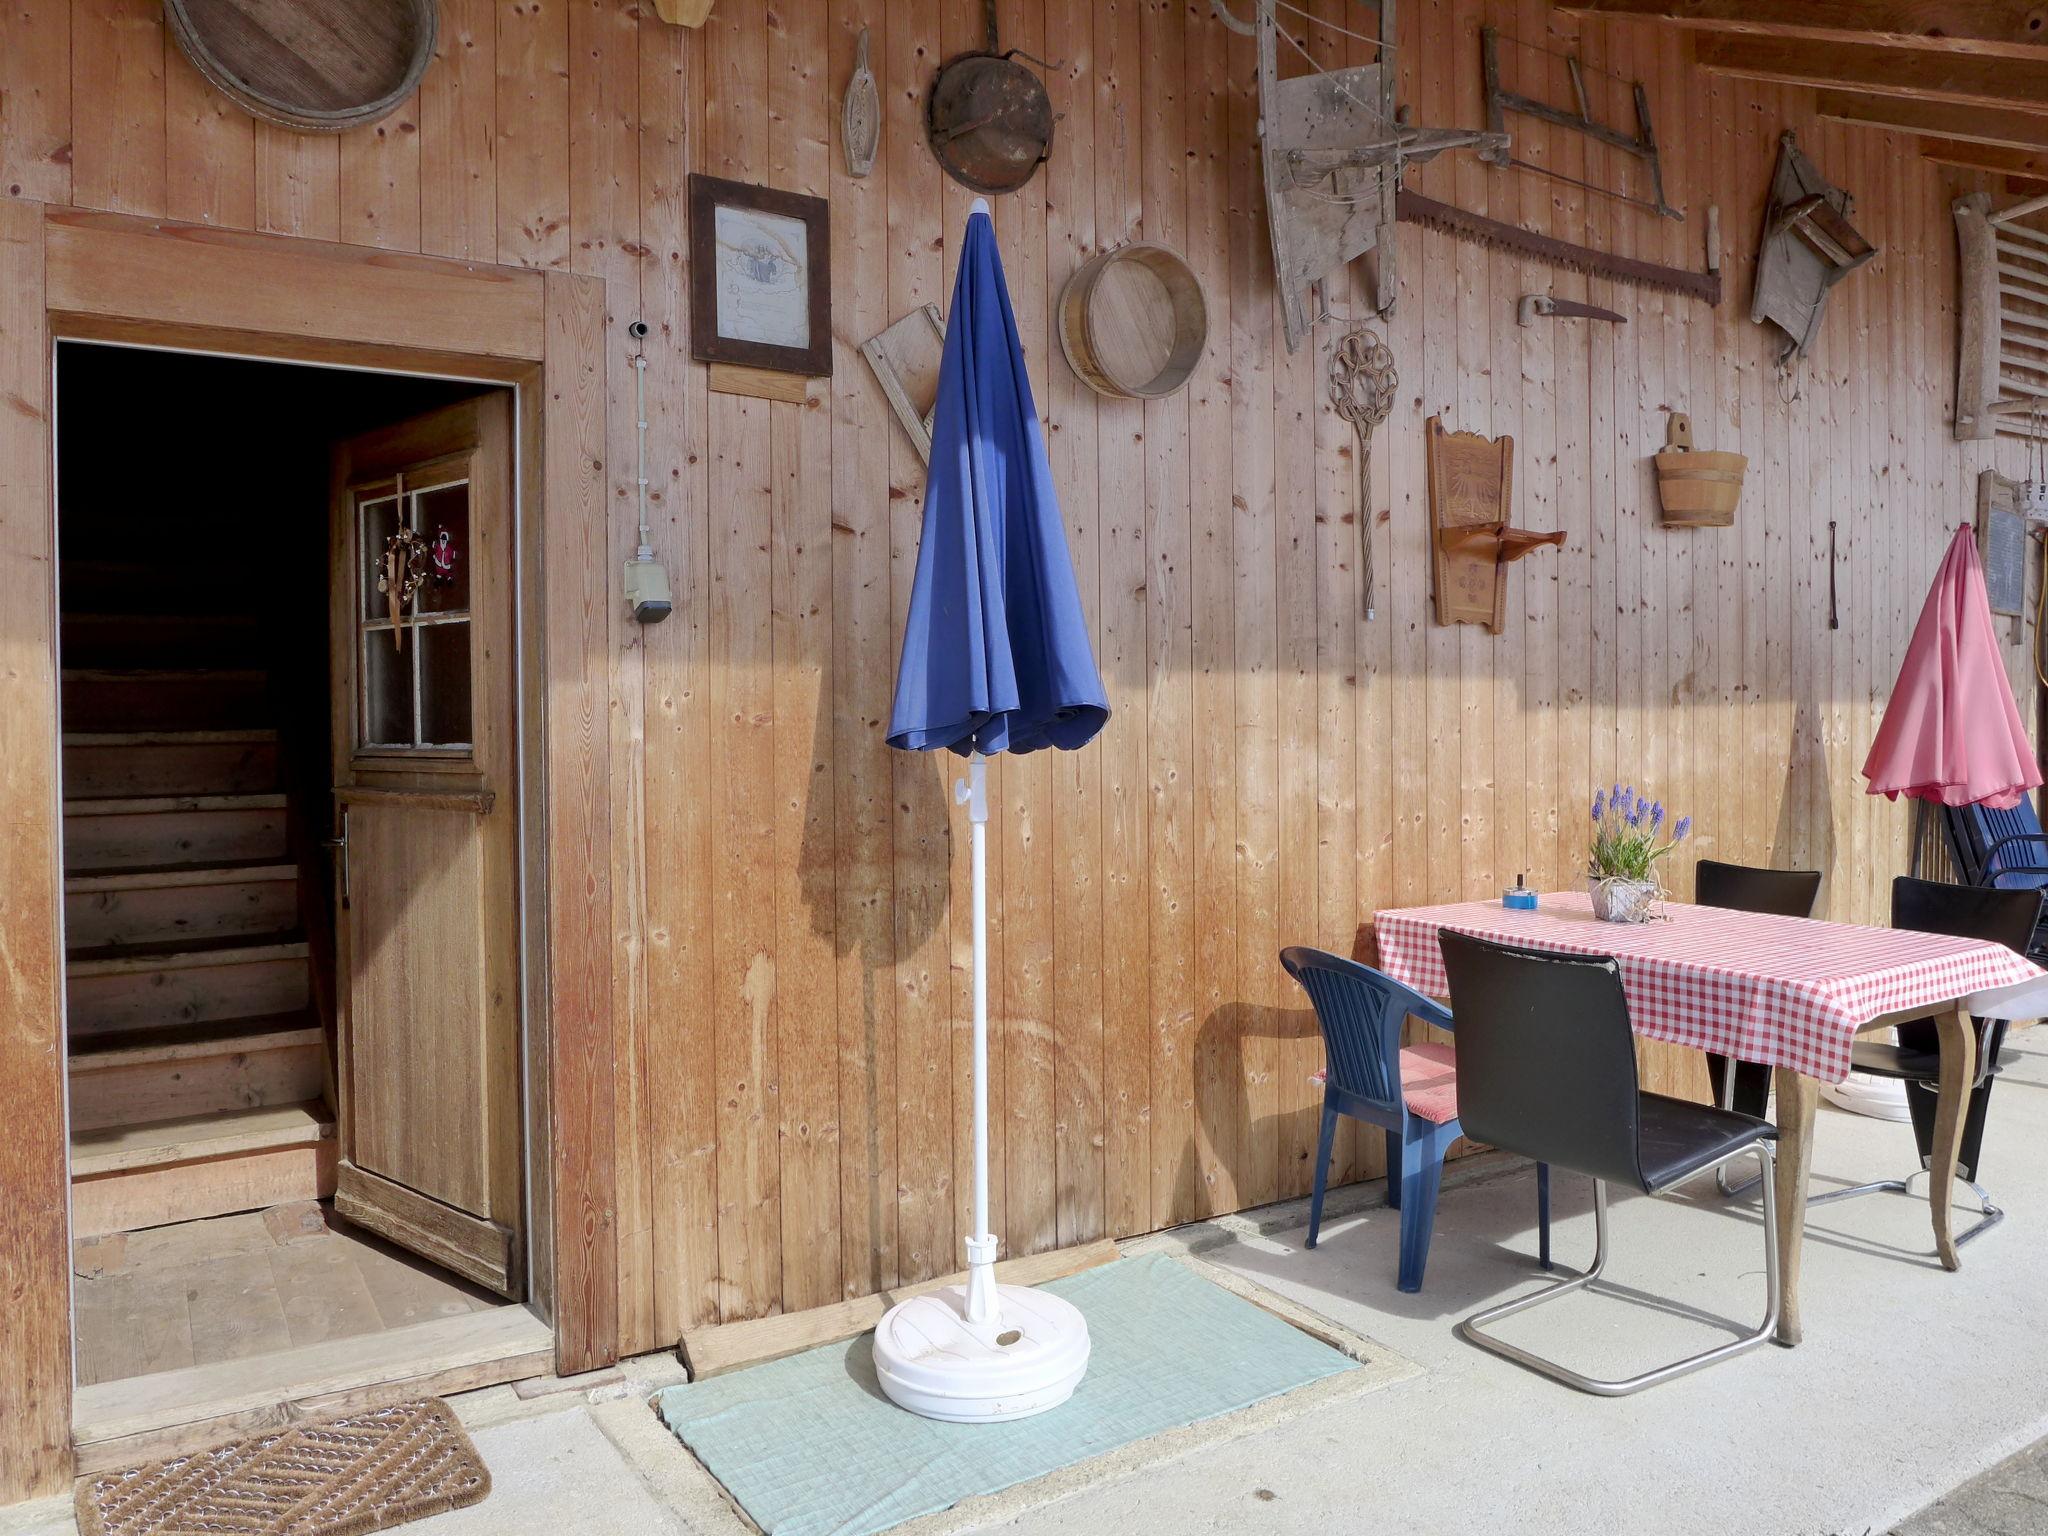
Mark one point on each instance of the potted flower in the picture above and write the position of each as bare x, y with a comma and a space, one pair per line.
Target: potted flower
1622, 878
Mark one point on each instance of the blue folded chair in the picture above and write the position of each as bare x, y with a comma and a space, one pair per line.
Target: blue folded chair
2000, 850
1410, 1092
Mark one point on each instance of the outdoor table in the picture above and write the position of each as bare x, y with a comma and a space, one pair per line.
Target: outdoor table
1789, 992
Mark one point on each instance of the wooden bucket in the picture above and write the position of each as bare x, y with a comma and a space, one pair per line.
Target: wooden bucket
1133, 322
1699, 489
317, 66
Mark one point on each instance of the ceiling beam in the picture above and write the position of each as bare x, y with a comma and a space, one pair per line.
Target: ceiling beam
1901, 114
1972, 79
1982, 26
1986, 157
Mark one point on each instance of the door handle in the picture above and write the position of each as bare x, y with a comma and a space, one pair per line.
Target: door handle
341, 843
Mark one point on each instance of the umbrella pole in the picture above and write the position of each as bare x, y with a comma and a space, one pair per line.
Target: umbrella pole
982, 1303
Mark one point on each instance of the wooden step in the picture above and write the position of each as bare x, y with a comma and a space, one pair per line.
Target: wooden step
128, 1177
110, 764
162, 830
142, 1418
169, 640
140, 1076
153, 987
155, 698
155, 906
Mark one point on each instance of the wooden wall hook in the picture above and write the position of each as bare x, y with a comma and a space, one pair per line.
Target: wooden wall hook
1471, 492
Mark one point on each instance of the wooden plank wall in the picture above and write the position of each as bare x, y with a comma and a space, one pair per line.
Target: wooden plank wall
786, 910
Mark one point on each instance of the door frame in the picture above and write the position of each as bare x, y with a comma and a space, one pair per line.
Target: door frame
68, 275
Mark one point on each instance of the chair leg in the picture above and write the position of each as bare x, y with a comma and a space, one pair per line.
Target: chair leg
1543, 1215
1315, 1200
1738, 1088
1921, 1100
1394, 1170
1471, 1328
1422, 1176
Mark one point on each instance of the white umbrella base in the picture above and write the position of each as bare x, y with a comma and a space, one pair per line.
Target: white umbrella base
1029, 1357
1881, 1098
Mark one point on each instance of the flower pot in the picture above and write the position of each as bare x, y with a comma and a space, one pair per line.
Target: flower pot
1617, 899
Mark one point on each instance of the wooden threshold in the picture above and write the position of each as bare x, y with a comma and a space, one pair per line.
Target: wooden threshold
141, 1418
729, 1346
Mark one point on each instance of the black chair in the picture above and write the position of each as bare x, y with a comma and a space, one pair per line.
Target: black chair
1745, 1086
1547, 1069
2007, 917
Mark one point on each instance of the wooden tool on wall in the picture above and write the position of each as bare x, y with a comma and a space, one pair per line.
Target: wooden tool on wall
1331, 150
2002, 319
1808, 246
1471, 490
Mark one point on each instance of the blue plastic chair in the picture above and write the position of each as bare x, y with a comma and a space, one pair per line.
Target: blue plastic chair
2001, 850
1360, 1012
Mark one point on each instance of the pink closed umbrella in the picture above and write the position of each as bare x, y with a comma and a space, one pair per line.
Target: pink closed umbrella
1952, 733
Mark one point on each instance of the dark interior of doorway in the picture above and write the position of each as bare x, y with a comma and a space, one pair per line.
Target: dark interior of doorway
193, 593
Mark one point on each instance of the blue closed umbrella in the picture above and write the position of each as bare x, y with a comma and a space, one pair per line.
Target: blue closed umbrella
995, 655
995, 659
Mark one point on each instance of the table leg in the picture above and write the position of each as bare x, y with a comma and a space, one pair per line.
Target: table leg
1798, 1103
1958, 1038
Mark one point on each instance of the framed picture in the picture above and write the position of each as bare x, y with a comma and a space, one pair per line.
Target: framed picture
760, 277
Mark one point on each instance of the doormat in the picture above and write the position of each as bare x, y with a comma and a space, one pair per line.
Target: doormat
809, 1446
337, 1477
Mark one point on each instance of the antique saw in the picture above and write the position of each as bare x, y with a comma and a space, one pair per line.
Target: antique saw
1332, 148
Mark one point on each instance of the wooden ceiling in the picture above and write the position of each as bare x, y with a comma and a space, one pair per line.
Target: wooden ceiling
1969, 77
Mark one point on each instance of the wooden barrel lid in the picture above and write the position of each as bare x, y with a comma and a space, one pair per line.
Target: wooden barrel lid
318, 66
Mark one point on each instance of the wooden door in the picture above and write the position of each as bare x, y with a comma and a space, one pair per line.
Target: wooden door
426, 821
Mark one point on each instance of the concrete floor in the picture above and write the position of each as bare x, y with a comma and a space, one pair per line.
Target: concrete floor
1910, 1384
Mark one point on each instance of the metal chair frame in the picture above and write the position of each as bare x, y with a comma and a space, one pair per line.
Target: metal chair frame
1470, 1329
1989, 1215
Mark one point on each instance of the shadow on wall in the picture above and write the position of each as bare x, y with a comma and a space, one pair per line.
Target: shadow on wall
1806, 809
1230, 1160
887, 898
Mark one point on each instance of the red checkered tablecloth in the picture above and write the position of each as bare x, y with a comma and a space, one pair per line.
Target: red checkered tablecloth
1785, 991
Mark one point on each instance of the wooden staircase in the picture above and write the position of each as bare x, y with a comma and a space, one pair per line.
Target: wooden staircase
198, 1066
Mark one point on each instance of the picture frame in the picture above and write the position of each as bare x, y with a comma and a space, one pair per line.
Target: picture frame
760, 277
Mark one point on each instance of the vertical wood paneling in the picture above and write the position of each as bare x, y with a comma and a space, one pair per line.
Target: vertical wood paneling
458, 135
35, 1269
209, 151
923, 845
1127, 1091
681, 1092
117, 128
1075, 786
35, 102
785, 897
860, 881
605, 243
298, 183
805, 759
577, 615
533, 149
742, 1012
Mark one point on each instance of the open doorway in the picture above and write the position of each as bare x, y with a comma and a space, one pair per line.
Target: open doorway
286, 599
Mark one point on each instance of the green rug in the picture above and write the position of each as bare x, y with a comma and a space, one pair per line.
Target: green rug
809, 1446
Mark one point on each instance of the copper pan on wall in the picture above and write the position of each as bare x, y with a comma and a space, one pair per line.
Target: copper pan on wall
988, 118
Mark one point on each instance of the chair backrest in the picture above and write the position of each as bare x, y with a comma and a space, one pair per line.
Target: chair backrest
1745, 888
1546, 1060
2006, 849
1360, 1012
1967, 912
